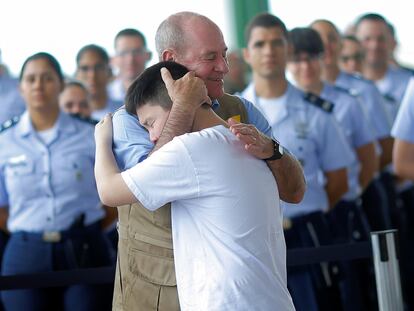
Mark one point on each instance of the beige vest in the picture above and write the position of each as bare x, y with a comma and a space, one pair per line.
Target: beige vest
145, 238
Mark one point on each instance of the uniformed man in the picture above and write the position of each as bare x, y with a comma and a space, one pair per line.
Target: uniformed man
305, 123
92, 69
351, 58
145, 278
131, 57
374, 198
373, 32
403, 161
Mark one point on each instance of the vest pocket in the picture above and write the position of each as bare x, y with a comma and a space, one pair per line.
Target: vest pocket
152, 263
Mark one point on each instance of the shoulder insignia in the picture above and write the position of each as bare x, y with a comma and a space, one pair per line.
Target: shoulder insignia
389, 98
9, 123
319, 102
358, 76
342, 89
84, 119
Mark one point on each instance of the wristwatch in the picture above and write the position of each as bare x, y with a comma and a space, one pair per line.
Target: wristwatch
278, 151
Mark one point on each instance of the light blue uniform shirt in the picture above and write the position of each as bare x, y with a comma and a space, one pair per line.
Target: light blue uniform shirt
392, 86
131, 143
46, 187
313, 136
371, 99
404, 123
357, 130
116, 90
11, 103
111, 106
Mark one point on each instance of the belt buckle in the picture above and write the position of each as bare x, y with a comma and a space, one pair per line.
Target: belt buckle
52, 236
287, 223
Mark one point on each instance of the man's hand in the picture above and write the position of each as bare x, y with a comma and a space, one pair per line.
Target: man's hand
190, 92
103, 131
256, 143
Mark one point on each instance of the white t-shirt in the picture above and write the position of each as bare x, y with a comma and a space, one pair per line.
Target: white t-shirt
229, 247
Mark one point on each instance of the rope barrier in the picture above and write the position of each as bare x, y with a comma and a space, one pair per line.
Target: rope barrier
105, 275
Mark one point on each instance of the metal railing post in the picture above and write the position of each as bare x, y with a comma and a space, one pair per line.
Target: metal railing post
387, 271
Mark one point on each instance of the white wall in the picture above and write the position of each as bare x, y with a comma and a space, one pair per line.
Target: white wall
63, 27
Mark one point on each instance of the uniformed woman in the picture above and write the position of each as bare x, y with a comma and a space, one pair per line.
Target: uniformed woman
48, 192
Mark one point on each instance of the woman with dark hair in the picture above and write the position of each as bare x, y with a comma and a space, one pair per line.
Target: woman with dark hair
48, 196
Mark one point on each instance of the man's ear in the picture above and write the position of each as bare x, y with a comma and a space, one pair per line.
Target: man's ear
168, 55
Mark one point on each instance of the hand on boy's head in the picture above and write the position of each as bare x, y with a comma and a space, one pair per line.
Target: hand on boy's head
103, 131
188, 91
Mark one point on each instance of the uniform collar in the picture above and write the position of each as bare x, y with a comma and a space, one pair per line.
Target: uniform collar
249, 93
63, 124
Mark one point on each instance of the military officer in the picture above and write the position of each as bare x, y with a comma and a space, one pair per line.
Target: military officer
48, 194
305, 124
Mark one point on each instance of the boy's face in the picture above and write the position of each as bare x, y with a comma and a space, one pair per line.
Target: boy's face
153, 117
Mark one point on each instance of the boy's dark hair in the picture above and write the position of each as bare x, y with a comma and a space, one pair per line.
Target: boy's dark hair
94, 48
264, 20
130, 32
149, 87
306, 40
49, 58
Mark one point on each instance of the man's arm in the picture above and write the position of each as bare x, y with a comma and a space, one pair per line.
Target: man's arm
336, 185
287, 170
187, 94
369, 163
112, 189
386, 154
403, 155
4, 215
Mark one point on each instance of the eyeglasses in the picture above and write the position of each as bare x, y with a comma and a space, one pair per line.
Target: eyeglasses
132, 52
305, 59
357, 57
98, 68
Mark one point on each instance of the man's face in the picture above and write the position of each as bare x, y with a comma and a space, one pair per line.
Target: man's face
93, 72
374, 37
331, 42
153, 118
204, 52
352, 56
74, 100
131, 56
266, 52
305, 69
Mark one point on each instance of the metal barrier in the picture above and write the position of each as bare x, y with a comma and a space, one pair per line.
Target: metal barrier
387, 271
383, 251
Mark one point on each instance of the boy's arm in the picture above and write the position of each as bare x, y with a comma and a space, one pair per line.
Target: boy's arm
112, 189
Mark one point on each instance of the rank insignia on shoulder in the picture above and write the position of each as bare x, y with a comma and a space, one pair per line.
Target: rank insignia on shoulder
319, 102
390, 99
9, 123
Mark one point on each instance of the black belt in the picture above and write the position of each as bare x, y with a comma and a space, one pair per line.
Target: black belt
57, 236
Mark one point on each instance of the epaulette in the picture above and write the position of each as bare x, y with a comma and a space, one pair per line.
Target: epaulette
343, 90
358, 76
389, 98
9, 123
84, 119
319, 102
